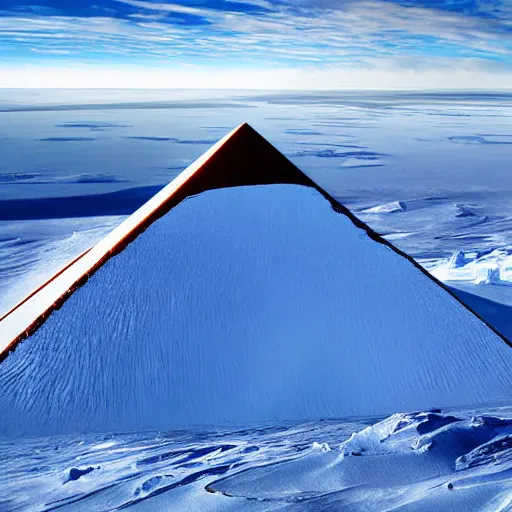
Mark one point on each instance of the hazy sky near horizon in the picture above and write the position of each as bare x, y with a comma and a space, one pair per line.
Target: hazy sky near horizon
278, 44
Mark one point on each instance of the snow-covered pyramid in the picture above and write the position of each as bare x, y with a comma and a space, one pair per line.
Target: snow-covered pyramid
241, 293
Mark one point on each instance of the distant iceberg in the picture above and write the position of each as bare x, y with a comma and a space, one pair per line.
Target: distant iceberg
478, 267
241, 293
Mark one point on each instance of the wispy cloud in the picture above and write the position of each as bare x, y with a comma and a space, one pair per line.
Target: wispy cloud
257, 33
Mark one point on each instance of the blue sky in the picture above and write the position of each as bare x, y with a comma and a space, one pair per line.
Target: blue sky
257, 43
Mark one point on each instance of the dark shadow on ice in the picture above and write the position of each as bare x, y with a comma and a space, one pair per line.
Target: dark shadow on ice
67, 139
298, 131
499, 315
198, 141
320, 153
149, 138
331, 145
476, 139
52, 178
362, 165
93, 126
434, 421
223, 129
95, 178
123, 202
17, 177
331, 153
76, 473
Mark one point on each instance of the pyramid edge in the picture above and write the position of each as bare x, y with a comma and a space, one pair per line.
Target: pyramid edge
77, 272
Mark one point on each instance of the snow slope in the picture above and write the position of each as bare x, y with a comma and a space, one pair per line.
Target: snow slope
420, 461
245, 305
457, 460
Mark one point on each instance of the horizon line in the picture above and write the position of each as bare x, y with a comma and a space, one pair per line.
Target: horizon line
361, 89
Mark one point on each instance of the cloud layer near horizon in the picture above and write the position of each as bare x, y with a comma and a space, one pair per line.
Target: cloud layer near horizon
341, 39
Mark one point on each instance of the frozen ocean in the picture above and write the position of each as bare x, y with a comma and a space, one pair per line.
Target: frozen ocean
431, 172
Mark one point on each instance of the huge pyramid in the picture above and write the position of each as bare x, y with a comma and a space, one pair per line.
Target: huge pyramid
241, 293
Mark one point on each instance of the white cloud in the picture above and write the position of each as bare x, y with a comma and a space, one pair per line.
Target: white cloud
165, 7
346, 42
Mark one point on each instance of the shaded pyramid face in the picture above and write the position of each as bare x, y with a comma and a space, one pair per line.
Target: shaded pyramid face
242, 293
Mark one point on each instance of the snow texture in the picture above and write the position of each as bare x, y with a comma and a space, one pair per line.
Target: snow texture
248, 305
422, 461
